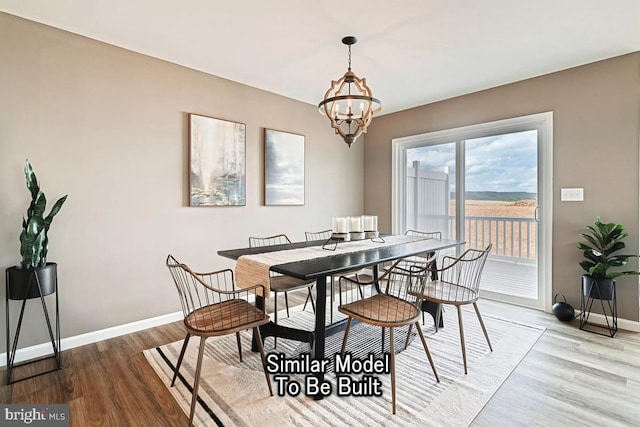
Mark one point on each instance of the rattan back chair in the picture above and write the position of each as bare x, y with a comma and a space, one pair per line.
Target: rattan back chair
394, 302
458, 285
279, 282
213, 306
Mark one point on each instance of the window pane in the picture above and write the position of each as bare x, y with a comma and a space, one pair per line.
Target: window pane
431, 172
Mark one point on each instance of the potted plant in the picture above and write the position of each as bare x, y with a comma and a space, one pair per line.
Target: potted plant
34, 272
603, 242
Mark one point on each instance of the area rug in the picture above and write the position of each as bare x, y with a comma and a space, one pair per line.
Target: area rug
234, 393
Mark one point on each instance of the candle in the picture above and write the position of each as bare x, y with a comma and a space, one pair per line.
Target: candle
370, 223
341, 225
356, 224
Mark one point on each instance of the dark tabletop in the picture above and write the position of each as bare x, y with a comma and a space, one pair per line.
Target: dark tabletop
339, 263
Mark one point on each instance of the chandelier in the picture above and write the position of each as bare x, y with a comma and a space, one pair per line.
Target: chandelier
349, 103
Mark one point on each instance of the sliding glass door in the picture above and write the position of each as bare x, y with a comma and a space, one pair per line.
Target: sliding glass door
485, 184
430, 188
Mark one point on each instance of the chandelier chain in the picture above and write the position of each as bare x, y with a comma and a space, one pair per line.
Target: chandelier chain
349, 57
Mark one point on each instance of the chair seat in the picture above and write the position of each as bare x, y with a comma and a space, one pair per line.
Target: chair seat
382, 310
449, 293
288, 283
225, 317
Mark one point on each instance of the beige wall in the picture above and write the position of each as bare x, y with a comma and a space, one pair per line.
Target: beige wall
109, 127
596, 111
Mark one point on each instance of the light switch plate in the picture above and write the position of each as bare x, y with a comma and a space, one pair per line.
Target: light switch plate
572, 194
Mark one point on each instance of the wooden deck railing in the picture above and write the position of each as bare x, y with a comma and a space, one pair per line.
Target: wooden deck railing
512, 237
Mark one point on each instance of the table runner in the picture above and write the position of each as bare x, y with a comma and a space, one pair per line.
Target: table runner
254, 269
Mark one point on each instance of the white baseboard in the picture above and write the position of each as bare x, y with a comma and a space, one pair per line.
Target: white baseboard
41, 350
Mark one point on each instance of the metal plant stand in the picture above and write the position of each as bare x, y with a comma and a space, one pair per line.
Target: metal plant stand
609, 310
55, 340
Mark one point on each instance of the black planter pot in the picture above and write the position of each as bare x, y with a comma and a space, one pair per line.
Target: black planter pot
22, 283
25, 284
604, 292
603, 289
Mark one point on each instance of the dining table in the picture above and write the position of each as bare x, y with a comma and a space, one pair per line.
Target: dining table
327, 263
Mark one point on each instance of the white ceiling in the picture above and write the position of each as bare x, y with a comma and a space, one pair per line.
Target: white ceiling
412, 52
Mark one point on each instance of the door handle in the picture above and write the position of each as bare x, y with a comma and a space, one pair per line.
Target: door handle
536, 214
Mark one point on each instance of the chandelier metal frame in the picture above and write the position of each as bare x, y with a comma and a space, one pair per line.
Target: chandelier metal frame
338, 104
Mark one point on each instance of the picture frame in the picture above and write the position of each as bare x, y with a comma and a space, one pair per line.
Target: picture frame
217, 162
284, 168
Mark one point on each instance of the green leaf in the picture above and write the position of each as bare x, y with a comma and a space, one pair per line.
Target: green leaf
32, 181
40, 205
617, 263
595, 238
613, 247
587, 265
31, 242
617, 245
24, 248
54, 210
615, 274
36, 259
598, 271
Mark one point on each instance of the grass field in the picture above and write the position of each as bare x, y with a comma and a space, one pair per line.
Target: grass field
517, 209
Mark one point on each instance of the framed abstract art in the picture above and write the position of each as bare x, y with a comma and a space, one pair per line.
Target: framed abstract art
217, 162
283, 168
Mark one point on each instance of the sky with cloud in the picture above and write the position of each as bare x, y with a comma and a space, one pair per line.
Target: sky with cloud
495, 163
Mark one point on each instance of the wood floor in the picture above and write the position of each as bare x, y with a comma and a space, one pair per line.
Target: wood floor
569, 378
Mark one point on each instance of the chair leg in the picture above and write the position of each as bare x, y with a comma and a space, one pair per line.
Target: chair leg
383, 337
464, 348
393, 369
309, 297
286, 303
486, 335
256, 332
239, 345
184, 347
196, 384
438, 316
313, 306
426, 350
346, 334
304, 307
332, 299
406, 344
275, 316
